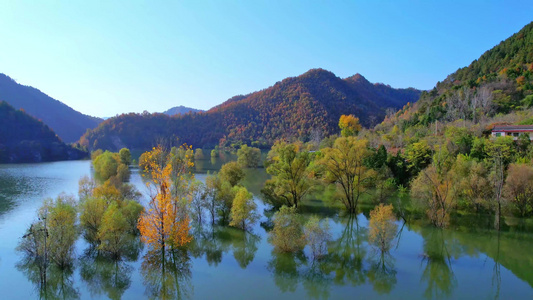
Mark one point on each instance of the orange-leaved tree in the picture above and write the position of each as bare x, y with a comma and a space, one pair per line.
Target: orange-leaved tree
165, 223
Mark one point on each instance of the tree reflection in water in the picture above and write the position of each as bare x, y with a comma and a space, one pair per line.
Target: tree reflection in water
104, 275
343, 265
382, 274
168, 275
58, 285
347, 253
216, 241
496, 275
244, 247
285, 269
438, 271
317, 282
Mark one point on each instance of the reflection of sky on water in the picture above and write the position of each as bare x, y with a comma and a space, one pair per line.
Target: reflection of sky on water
230, 264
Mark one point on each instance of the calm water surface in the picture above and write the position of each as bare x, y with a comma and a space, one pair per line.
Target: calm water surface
224, 263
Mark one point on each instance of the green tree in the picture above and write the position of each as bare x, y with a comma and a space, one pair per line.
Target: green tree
472, 179
91, 214
243, 210
198, 154
106, 164
125, 156
232, 173
291, 174
344, 166
215, 152
131, 210
113, 231
249, 157
96, 153
123, 173
287, 234
418, 156
224, 195
60, 215
500, 152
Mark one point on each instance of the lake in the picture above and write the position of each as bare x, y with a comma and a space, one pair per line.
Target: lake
464, 262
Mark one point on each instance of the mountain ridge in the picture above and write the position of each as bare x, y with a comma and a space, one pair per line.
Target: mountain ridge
180, 110
23, 138
290, 109
68, 123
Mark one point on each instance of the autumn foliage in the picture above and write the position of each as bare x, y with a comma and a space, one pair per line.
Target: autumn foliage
166, 222
382, 227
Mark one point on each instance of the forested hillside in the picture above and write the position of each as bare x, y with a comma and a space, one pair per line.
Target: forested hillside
499, 82
304, 107
25, 139
69, 124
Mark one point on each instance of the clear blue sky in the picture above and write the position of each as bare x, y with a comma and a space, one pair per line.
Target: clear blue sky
108, 57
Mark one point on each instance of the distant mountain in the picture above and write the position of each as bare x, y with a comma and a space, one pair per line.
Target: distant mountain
499, 82
26, 139
181, 110
293, 109
69, 124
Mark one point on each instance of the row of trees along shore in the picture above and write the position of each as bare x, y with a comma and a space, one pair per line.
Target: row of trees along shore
457, 171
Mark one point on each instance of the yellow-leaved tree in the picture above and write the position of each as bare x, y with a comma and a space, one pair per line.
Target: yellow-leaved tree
382, 227
165, 223
349, 125
344, 166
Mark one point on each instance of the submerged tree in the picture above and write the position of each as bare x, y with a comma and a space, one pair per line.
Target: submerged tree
382, 227
61, 218
291, 174
113, 233
518, 188
500, 152
344, 166
125, 156
49, 242
243, 210
86, 187
287, 234
249, 157
436, 191
165, 223
232, 173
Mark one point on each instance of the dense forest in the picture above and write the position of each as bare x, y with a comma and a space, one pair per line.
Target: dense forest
440, 149
25, 139
69, 124
305, 107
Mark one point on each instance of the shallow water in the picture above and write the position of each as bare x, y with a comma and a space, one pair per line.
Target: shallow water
225, 263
